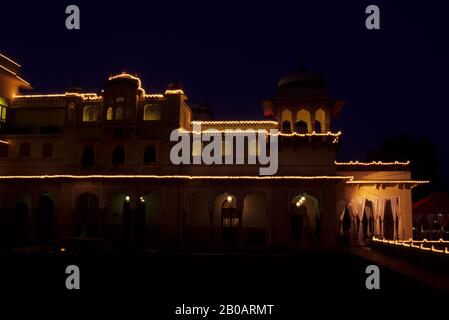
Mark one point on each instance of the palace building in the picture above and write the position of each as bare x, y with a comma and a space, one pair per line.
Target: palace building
98, 164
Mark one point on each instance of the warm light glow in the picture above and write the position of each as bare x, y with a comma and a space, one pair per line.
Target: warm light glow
10, 60
236, 122
373, 163
15, 74
4, 142
249, 131
229, 199
298, 204
177, 91
127, 198
62, 249
68, 176
388, 181
303, 198
84, 96
142, 199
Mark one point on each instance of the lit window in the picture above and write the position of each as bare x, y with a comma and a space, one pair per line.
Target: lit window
3, 109
119, 113
109, 114
152, 112
90, 113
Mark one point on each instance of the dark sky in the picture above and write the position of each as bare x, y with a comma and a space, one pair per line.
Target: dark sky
233, 53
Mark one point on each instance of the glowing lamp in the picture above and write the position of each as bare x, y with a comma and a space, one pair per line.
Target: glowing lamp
298, 204
229, 199
142, 199
127, 198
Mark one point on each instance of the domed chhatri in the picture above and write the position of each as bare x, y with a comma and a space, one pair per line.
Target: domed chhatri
302, 84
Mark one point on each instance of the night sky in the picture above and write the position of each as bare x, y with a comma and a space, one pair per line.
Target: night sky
232, 55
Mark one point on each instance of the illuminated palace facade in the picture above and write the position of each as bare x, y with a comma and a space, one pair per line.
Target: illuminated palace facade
98, 164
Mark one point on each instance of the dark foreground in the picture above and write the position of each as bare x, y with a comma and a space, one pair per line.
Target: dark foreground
185, 275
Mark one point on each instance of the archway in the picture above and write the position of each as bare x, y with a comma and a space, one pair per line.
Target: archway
320, 121
44, 219
118, 221
304, 219
87, 215
255, 218
88, 157
118, 156
388, 222
148, 220
197, 219
286, 119
230, 220
21, 225
303, 115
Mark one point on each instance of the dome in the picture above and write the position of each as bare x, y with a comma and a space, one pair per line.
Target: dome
302, 84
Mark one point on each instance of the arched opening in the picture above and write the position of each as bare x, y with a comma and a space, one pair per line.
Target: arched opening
118, 156
88, 157
25, 150
286, 119
388, 222
149, 156
87, 215
119, 113
152, 112
197, 219
90, 113
44, 219
118, 220
110, 114
255, 218
230, 220
320, 121
305, 219
301, 127
148, 219
346, 221
21, 227
304, 115
317, 128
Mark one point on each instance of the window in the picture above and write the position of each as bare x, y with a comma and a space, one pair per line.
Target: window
119, 113
301, 126
118, 156
25, 150
119, 99
3, 109
152, 112
149, 155
90, 113
88, 157
47, 150
109, 114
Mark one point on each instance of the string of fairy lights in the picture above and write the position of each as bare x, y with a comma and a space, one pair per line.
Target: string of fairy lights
422, 245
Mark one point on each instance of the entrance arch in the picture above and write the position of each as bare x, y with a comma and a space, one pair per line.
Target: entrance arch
304, 219
45, 219
148, 219
388, 222
87, 215
255, 218
230, 218
21, 221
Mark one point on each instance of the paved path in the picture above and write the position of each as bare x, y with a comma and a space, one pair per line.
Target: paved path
431, 278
